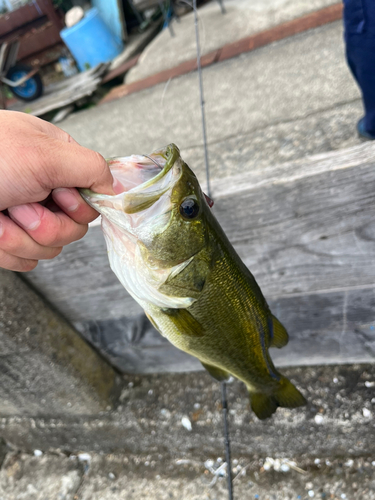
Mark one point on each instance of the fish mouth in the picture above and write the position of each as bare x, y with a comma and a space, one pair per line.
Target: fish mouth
140, 181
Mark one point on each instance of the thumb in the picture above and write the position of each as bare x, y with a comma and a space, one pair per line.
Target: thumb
71, 165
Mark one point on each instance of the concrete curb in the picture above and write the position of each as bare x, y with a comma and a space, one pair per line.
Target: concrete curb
46, 367
285, 30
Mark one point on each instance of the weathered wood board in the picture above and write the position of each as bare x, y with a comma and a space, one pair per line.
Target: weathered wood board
65, 92
306, 230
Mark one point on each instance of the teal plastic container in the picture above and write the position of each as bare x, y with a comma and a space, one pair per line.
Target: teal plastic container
91, 42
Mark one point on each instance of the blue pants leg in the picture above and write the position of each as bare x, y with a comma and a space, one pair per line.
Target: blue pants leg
359, 23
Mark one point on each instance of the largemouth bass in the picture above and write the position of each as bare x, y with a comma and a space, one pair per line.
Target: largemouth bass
170, 253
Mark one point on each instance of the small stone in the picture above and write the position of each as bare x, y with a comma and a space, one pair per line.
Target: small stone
38, 453
276, 465
111, 476
373, 463
317, 461
131, 384
84, 457
349, 463
318, 419
186, 423
311, 493
335, 380
343, 495
309, 486
366, 413
369, 384
285, 467
196, 406
150, 392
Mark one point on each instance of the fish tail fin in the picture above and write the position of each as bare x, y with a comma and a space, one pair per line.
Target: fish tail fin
263, 405
286, 395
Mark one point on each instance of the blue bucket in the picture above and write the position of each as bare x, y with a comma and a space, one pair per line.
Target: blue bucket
91, 42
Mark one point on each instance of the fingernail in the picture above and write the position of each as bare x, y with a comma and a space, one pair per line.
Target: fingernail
26, 216
66, 198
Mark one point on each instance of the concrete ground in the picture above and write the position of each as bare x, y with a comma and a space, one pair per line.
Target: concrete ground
146, 449
290, 99
241, 19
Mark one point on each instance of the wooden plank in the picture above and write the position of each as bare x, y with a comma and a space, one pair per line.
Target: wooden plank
305, 229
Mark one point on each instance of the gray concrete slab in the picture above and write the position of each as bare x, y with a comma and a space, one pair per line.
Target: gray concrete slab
120, 477
25, 477
46, 367
339, 419
142, 450
292, 98
241, 19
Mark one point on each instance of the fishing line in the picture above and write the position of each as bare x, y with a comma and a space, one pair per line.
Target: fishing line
208, 188
224, 404
154, 161
224, 401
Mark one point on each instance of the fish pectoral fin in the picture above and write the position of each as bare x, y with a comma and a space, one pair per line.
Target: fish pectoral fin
287, 396
184, 322
280, 335
153, 323
216, 373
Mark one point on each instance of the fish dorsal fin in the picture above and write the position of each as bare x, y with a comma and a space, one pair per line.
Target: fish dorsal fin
280, 336
184, 322
216, 373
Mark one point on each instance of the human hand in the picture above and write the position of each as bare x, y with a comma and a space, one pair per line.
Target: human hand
40, 167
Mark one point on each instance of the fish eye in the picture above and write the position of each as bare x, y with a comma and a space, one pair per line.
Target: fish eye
189, 208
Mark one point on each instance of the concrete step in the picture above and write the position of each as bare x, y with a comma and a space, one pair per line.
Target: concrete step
289, 99
142, 450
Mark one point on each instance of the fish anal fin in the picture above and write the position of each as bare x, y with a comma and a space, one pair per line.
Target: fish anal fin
280, 336
286, 396
184, 322
216, 373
